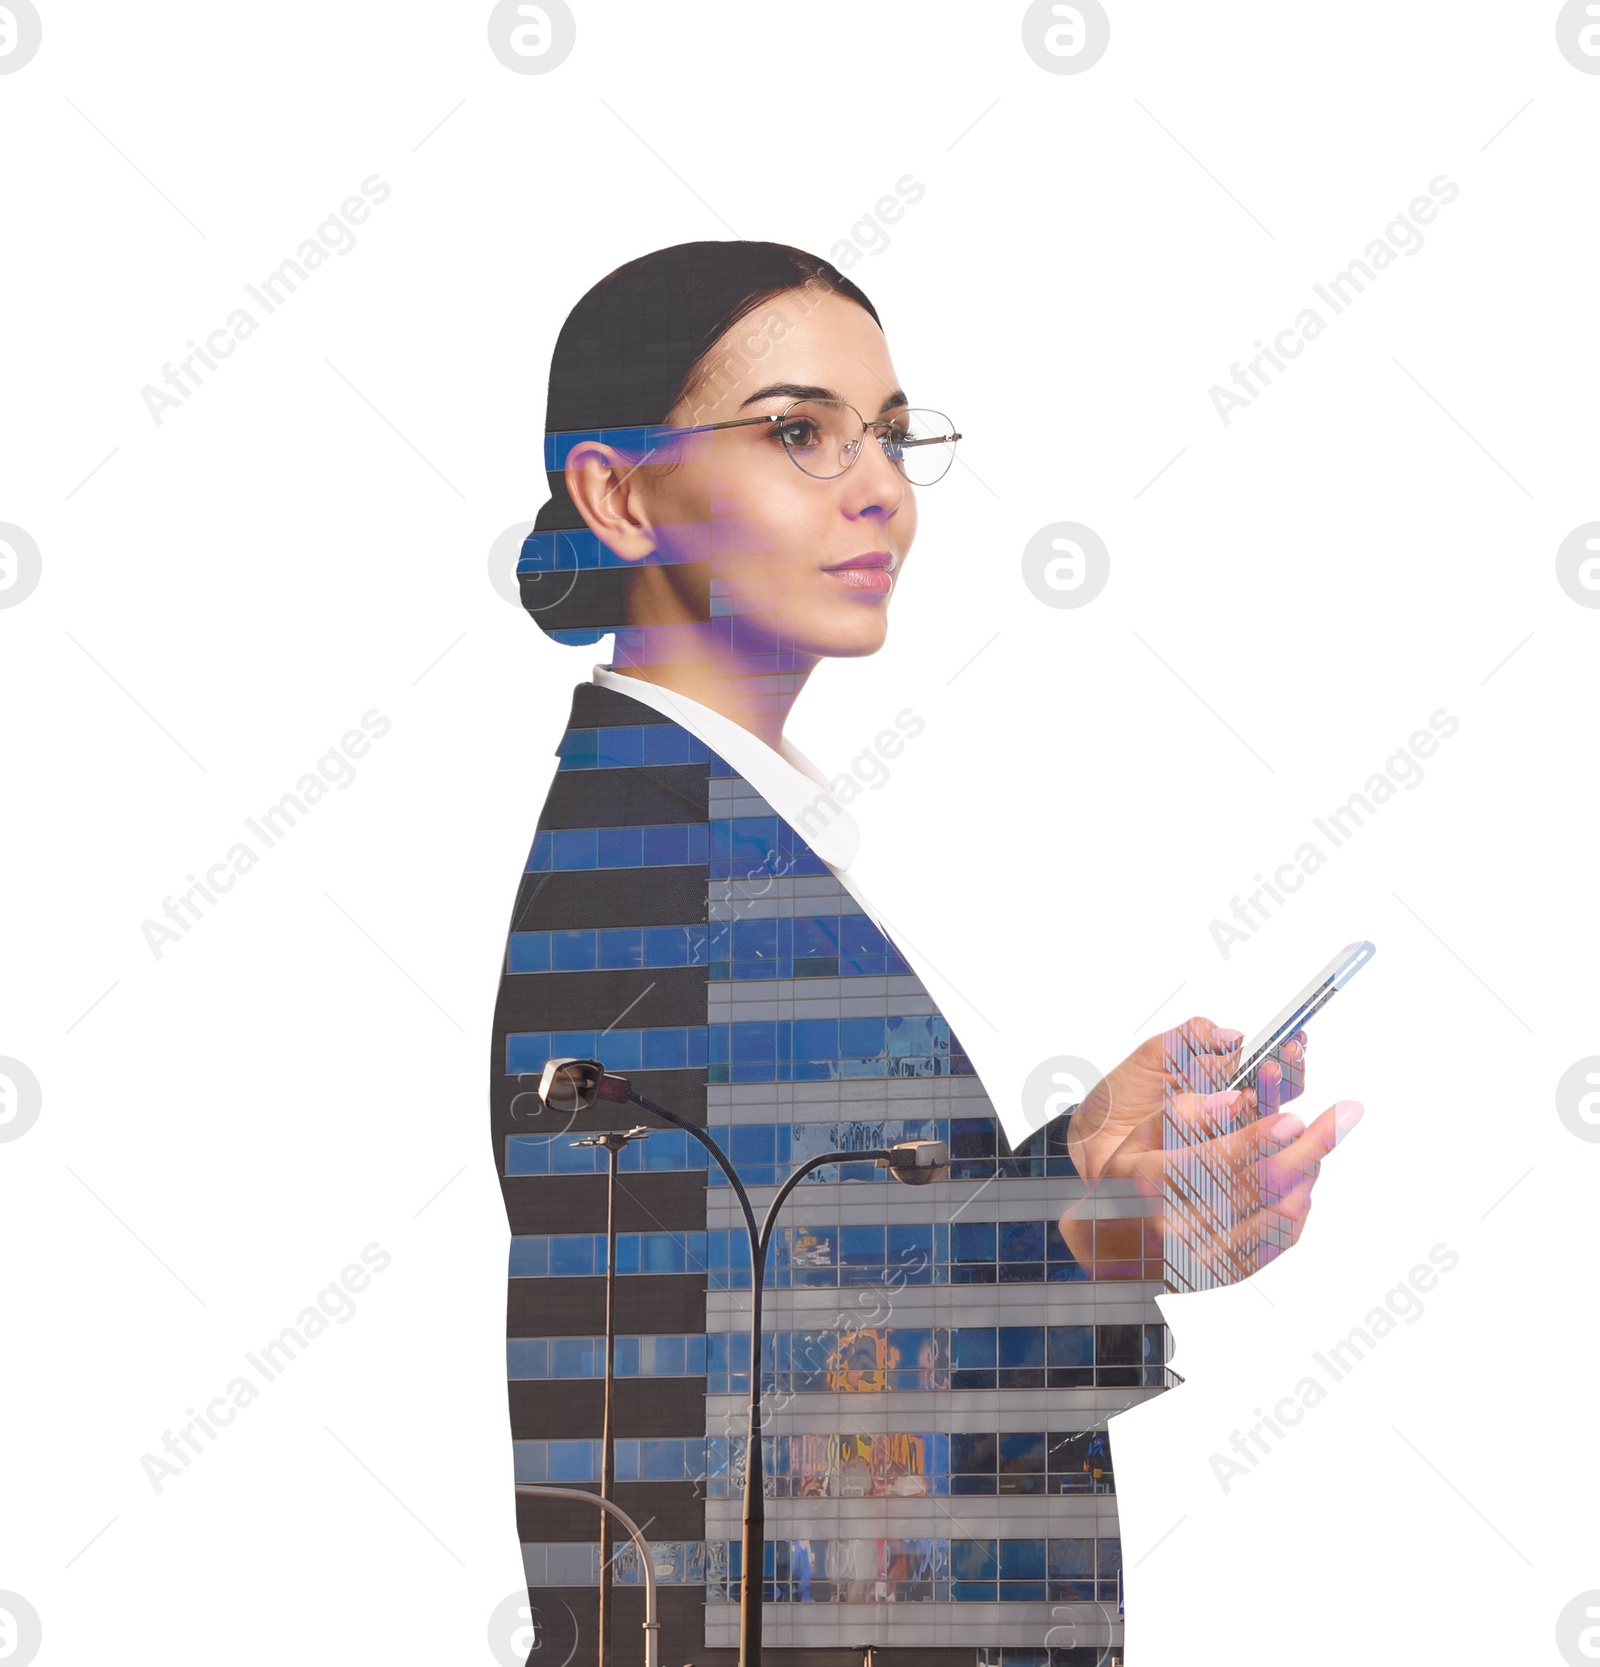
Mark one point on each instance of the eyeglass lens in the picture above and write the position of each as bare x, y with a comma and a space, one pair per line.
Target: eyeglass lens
824, 437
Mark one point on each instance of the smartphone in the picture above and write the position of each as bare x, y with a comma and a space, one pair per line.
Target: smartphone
1311, 1000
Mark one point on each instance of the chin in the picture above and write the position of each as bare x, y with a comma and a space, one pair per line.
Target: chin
863, 635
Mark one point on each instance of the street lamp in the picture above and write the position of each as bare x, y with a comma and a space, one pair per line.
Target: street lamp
652, 1620
575, 1085
614, 1142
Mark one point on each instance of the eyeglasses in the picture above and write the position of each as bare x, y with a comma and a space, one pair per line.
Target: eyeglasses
824, 437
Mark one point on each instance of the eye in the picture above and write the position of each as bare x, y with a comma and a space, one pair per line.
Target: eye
797, 432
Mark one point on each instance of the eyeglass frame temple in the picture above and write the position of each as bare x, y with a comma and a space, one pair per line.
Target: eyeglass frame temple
745, 422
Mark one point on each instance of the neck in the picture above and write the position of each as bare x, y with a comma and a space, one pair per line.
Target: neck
752, 683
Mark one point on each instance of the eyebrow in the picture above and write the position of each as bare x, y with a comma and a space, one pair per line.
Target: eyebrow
806, 390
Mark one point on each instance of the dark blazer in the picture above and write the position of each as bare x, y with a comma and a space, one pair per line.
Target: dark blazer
633, 931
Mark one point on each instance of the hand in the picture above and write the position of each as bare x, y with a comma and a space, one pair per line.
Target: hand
1188, 1184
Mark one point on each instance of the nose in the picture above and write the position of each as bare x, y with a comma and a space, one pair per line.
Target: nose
872, 485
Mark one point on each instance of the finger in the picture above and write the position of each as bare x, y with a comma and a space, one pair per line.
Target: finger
1227, 1254
1205, 1116
1198, 1052
1183, 1121
1282, 1228
1209, 1072
1323, 1134
1236, 1143
1292, 1067
1269, 1076
1201, 1035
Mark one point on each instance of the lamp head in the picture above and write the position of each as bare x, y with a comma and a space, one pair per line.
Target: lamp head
918, 1162
571, 1085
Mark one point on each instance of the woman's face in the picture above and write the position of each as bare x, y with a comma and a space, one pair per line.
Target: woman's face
807, 565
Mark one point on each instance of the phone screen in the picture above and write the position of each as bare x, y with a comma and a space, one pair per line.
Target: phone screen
1311, 1000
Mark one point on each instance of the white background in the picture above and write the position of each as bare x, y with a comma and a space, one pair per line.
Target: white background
306, 539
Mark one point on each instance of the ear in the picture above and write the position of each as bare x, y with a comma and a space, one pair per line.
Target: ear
609, 495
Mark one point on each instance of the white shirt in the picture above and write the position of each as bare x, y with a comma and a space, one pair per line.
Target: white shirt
799, 792
795, 788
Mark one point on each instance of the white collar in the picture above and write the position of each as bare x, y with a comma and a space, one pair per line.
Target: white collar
795, 788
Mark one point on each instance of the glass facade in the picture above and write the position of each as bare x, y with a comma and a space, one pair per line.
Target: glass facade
672, 926
1055, 1570
893, 1465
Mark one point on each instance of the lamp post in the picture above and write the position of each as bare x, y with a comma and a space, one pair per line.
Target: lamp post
574, 1085
652, 1621
614, 1142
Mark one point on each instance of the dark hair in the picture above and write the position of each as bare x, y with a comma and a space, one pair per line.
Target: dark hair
628, 353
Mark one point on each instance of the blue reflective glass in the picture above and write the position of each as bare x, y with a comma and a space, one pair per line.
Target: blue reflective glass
575, 1253
666, 1359
1022, 1241
666, 847
620, 748
572, 951
619, 947
661, 1461
1022, 1559
664, 1050
816, 1039
752, 1143
973, 1560
527, 1357
1021, 1345
1022, 1452
530, 1461
527, 1155
972, 1241
1071, 1345
858, 936
754, 1042
674, 946
528, 952
862, 1246
1070, 1559
575, 848
623, 1050
861, 1038
973, 1346
665, 744
567, 1159
619, 847
910, 1247
575, 1357
576, 749
573, 1461
755, 940
816, 935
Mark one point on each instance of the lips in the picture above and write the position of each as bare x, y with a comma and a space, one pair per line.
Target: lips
870, 576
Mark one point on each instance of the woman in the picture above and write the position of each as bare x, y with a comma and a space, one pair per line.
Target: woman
734, 470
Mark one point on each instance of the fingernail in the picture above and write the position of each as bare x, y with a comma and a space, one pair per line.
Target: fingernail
1346, 1114
1287, 1126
